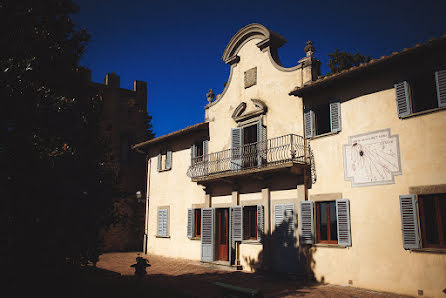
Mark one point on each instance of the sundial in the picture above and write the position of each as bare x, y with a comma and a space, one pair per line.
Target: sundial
372, 158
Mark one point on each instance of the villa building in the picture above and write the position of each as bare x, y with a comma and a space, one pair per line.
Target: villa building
339, 178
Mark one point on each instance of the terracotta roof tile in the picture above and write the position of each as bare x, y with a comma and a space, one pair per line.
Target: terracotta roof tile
195, 127
363, 66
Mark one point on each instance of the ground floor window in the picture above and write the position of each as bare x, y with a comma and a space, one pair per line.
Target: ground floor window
163, 218
250, 222
432, 211
326, 222
197, 223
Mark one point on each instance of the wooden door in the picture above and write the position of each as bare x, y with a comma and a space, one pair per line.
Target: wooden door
222, 234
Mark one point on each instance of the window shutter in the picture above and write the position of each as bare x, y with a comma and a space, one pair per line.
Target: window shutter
402, 98
159, 162
284, 223
236, 148
260, 222
335, 116
193, 150
190, 223
165, 223
205, 150
309, 123
207, 234
440, 80
343, 218
409, 221
169, 160
306, 222
237, 223
162, 222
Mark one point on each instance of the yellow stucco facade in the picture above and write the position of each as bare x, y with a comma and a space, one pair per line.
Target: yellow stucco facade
281, 175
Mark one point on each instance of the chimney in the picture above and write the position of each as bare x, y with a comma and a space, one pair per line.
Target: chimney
311, 67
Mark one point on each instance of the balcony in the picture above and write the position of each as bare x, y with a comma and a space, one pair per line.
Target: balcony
285, 152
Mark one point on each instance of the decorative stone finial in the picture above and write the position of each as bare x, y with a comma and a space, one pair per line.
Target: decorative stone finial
210, 95
309, 49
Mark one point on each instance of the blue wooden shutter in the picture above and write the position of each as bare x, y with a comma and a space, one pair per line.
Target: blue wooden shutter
284, 223
169, 160
309, 123
261, 143
237, 223
306, 222
236, 148
409, 221
190, 223
335, 116
205, 150
402, 98
343, 219
207, 234
162, 222
260, 222
159, 162
440, 80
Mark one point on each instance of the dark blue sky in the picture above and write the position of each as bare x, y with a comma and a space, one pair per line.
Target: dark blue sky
176, 46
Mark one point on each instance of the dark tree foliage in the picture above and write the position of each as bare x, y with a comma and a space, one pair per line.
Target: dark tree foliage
340, 60
56, 178
148, 127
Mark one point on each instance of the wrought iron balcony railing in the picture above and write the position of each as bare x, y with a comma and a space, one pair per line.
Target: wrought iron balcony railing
271, 152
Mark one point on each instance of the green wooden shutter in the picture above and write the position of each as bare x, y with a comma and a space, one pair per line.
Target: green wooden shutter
207, 234
306, 222
237, 223
190, 223
343, 222
440, 80
159, 162
309, 123
260, 222
236, 148
402, 98
335, 116
169, 160
409, 221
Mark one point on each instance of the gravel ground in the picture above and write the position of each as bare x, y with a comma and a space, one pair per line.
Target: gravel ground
195, 279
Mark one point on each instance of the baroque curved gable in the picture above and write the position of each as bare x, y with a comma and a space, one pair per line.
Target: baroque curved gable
252, 31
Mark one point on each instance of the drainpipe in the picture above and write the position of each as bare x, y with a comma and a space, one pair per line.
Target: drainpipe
146, 220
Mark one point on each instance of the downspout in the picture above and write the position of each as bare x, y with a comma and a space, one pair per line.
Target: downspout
146, 220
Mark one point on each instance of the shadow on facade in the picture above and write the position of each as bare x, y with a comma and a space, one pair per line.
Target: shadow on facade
283, 256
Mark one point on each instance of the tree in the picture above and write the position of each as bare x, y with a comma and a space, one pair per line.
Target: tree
56, 178
340, 60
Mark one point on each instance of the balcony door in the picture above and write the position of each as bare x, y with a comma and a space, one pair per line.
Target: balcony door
249, 151
248, 146
222, 234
